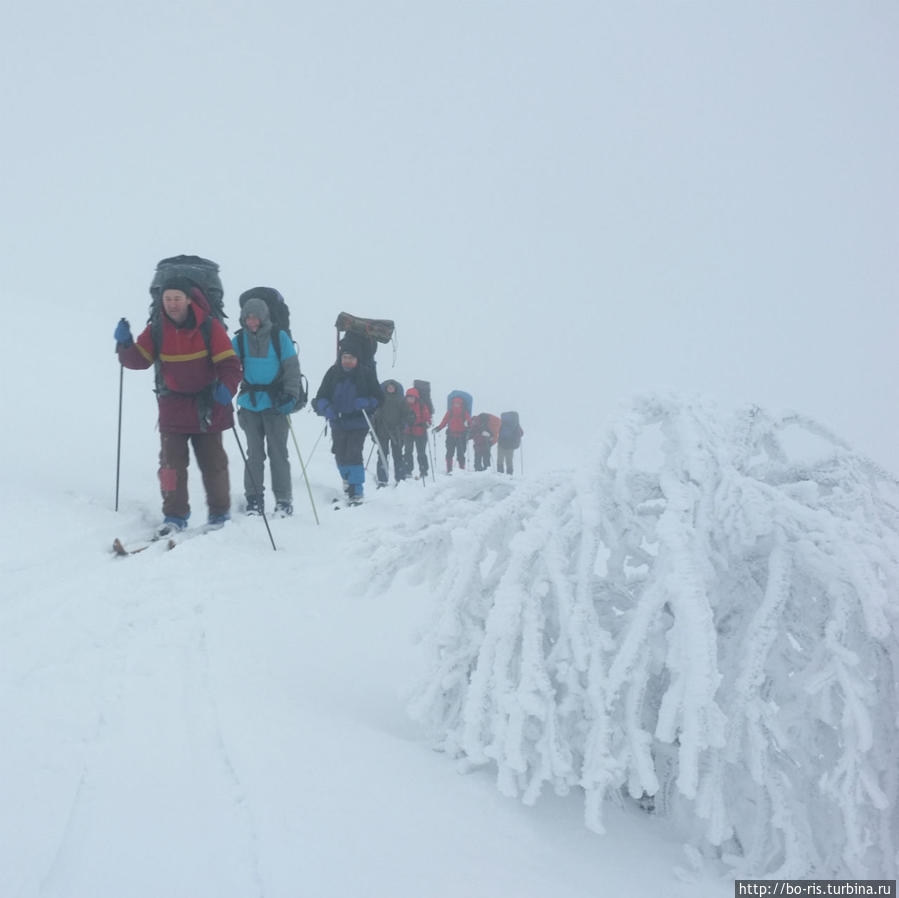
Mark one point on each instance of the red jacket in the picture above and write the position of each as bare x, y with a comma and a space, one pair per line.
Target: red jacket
458, 419
188, 368
422, 414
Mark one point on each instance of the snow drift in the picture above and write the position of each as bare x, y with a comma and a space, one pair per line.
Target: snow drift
703, 621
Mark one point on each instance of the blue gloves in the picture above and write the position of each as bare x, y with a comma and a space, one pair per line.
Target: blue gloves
324, 408
221, 394
123, 333
285, 408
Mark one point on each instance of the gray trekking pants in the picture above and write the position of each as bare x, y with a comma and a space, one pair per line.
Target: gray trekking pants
266, 429
504, 460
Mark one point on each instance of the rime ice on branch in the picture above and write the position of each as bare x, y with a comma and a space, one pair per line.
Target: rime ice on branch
705, 621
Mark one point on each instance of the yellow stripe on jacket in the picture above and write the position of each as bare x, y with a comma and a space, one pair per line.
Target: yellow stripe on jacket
185, 357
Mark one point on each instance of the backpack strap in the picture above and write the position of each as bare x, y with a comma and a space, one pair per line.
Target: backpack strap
276, 341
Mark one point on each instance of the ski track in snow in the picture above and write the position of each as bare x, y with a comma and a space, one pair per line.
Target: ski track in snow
156, 665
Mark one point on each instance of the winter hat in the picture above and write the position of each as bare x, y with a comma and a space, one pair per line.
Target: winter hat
255, 306
354, 344
185, 285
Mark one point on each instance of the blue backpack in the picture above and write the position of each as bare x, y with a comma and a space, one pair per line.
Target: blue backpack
509, 431
467, 401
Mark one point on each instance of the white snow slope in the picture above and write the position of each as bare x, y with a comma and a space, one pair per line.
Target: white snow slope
224, 720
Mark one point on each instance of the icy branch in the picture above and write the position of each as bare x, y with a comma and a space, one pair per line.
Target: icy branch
706, 622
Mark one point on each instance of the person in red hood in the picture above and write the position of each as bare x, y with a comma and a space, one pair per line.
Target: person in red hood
457, 421
199, 373
416, 436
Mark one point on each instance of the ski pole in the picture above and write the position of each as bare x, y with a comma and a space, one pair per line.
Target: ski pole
305, 475
424, 478
324, 431
433, 456
118, 451
374, 436
257, 489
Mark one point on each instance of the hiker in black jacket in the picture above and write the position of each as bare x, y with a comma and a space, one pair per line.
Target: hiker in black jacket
389, 424
349, 391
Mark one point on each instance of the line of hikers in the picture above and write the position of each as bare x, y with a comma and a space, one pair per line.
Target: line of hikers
199, 370
401, 427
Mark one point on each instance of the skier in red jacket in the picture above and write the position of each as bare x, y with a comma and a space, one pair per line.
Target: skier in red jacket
457, 421
200, 373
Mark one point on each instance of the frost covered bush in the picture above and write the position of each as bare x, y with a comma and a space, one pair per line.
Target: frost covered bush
705, 620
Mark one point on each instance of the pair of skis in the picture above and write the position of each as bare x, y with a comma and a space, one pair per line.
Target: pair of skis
170, 540
119, 548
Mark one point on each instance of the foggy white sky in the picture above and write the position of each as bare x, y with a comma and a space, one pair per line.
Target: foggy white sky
559, 203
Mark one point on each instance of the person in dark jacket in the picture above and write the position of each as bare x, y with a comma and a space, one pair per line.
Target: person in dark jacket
348, 391
416, 435
389, 423
200, 373
269, 392
510, 434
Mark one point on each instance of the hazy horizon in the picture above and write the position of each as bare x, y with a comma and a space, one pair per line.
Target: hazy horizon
588, 200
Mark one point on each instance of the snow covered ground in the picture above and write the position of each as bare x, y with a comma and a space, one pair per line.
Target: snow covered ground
225, 720
561, 205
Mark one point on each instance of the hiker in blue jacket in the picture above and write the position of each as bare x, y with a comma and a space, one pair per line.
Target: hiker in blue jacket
348, 389
271, 389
